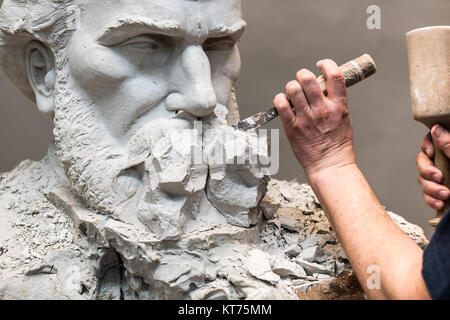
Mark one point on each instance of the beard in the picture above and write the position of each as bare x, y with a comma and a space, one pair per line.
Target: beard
173, 177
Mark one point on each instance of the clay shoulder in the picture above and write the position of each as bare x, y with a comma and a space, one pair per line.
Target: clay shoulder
29, 175
30, 225
39, 251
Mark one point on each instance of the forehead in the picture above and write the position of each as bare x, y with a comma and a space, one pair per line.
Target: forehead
189, 14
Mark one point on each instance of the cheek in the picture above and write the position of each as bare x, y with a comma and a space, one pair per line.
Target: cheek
122, 92
97, 69
225, 70
136, 100
141, 91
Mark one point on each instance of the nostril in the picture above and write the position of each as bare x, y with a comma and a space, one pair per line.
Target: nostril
194, 102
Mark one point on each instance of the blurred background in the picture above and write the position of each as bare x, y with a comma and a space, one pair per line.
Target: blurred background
284, 36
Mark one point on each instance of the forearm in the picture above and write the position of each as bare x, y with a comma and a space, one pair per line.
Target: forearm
319, 129
368, 234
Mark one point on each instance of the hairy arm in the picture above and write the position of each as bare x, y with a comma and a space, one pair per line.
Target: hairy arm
320, 132
369, 236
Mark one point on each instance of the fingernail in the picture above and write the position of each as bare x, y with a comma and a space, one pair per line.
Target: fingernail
438, 131
443, 194
428, 153
437, 177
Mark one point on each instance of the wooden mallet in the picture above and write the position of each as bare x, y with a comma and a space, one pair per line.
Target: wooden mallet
429, 64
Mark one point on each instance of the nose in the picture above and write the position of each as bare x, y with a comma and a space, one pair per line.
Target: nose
193, 88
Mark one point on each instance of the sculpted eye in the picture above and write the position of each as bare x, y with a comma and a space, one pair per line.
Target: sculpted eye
219, 44
145, 42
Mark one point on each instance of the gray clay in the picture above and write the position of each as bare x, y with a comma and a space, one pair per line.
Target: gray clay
118, 209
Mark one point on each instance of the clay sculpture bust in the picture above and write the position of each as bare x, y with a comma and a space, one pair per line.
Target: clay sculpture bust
122, 84
119, 208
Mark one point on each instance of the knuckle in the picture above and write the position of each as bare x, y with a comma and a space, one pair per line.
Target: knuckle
423, 147
276, 99
418, 158
324, 115
309, 79
291, 123
283, 109
292, 87
342, 101
421, 181
277, 102
306, 76
446, 145
307, 126
345, 113
301, 72
428, 200
336, 77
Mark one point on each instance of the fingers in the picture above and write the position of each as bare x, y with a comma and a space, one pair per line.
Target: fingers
434, 189
431, 177
311, 88
298, 98
441, 138
427, 146
284, 109
427, 170
336, 88
436, 204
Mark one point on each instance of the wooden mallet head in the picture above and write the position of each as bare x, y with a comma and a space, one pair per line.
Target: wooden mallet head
429, 65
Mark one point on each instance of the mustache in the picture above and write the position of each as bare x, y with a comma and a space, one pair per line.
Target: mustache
151, 137
170, 145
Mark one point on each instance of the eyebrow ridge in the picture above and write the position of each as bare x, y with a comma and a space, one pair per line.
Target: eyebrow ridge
230, 30
167, 27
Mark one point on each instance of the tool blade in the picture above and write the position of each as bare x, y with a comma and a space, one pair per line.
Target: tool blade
257, 121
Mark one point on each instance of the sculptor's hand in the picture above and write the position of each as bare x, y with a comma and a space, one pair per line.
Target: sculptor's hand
320, 130
430, 177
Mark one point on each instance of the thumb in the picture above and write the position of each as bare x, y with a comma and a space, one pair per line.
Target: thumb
441, 137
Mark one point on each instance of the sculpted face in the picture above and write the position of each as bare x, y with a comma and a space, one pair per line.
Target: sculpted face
143, 60
140, 86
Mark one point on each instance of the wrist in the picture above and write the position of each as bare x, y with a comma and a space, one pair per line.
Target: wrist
335, 160
326, 175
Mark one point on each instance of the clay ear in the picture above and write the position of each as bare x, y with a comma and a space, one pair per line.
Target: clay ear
41, 74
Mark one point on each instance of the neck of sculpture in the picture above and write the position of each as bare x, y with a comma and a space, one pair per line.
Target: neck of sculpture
56, 164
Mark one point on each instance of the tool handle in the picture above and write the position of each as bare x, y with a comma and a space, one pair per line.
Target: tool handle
442, 162
354, 71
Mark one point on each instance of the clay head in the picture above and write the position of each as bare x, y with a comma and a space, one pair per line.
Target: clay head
186, 49
126, 82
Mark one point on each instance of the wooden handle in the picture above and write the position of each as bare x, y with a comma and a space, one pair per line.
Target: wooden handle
354, 71
442, 162
429, 74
